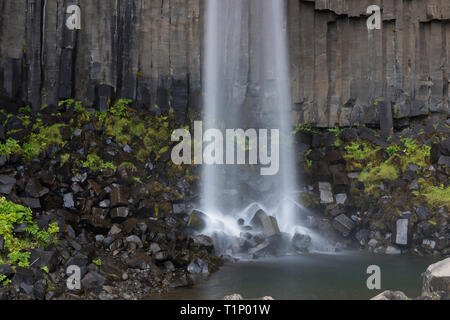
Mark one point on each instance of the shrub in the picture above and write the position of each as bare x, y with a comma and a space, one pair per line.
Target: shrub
15, 251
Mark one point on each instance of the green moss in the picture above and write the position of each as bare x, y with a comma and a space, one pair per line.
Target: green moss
128, 165
418, 154
15, 249
64, 158
392, 149
95, 163
377, 173
119, 129
435, 196
42, 140
305, 127
359, 150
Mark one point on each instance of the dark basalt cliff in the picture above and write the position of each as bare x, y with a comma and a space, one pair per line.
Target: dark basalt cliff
151, 51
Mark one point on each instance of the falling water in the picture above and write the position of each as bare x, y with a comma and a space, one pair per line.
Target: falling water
248, 35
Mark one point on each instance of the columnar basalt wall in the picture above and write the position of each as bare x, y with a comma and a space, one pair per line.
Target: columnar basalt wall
151, 51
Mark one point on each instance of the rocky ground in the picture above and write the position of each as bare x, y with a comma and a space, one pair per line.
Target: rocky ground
103, 195
104, 179
389, 194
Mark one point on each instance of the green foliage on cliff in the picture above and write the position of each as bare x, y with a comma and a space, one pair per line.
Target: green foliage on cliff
16, 246
9, 147
95, 163
435, 196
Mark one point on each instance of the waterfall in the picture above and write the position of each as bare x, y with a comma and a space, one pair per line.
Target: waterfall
241, 36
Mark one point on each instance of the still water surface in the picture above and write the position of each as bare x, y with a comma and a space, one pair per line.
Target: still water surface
310, 277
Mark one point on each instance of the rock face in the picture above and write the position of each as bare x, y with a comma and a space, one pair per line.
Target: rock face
436, 279
150, 51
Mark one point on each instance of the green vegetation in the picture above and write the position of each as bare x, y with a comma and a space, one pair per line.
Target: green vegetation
9, 147
359, 150
97, 262
16, 246
305, 127
42, 140
418, 154
336, 130
435, 196
308, 161
95, 163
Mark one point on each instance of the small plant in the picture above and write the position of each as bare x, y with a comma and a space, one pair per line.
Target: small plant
45, 269
97, 262
9, 147
335, 130
15, 248
358, 150
26, 109
392, 149
120, 107
308, 161
304, 127
95, 163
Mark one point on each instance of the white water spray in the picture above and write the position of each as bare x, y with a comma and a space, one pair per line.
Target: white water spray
231, 192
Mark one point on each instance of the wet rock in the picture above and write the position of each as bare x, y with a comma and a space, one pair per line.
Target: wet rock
422, 213
326, 196
31, 202
341, 198
35, 189
343, 224
92, 281
23, 275
120, 212
68, 200
118, 196
6, 270
161, 256
260, 250
6, 188
105, 203
270, 226
234, 296
436, 279
301, 242
390, 295
402, 232
155, 248
393, 250
202, 241
41, 258
134, 239
258, 218
198, 266
197, 220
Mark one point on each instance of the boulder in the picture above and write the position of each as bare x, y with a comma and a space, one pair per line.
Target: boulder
402, 232
436, 279
326, 196
260, 249
270, 226
119, 212
92, 281
343, 224
301, 241
390, 295
258, 218
118, 196
197, 220
35, 189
